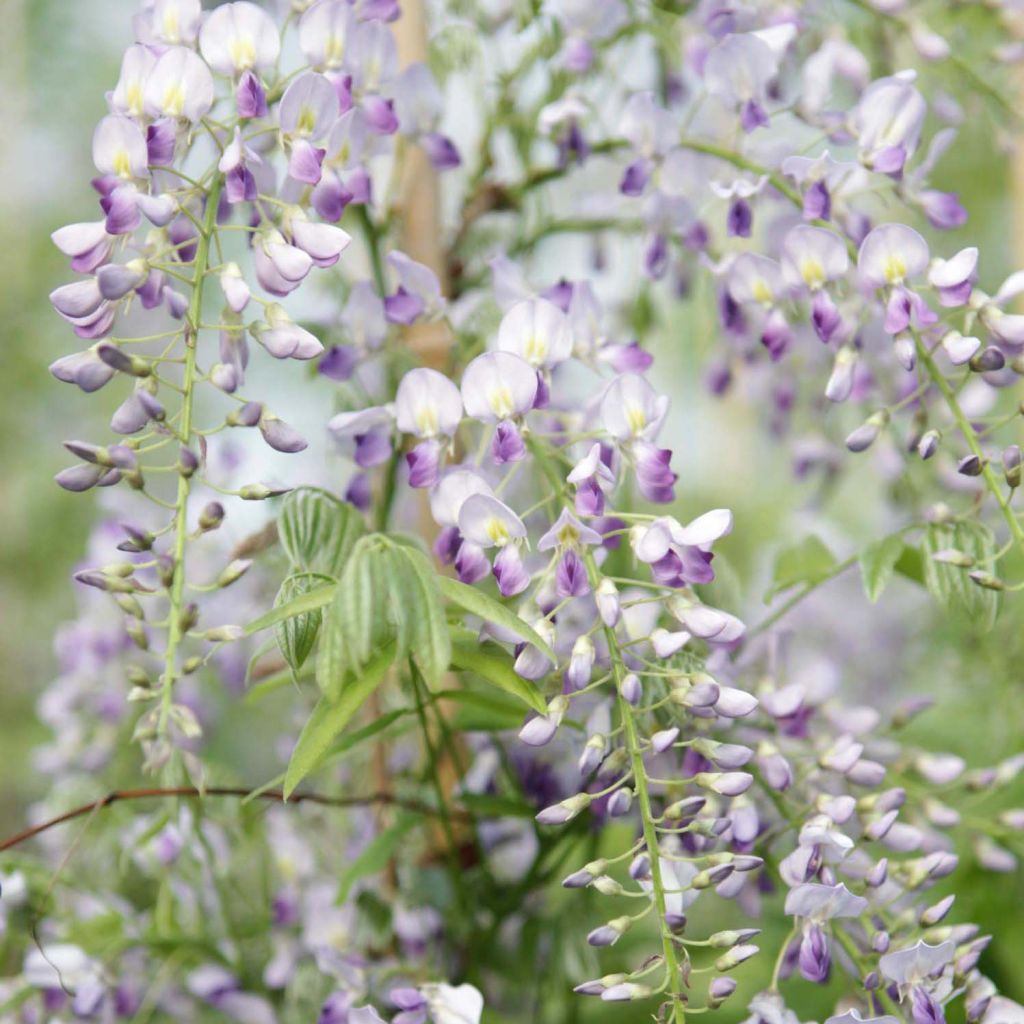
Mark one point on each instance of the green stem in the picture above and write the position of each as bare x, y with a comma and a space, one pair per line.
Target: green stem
192, 322
965, 428
372, 239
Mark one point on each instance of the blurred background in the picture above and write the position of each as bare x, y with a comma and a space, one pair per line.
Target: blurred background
58, 57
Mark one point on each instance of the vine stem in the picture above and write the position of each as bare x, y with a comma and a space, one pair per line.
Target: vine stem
192, 792
646, 814
965, 428
192, 319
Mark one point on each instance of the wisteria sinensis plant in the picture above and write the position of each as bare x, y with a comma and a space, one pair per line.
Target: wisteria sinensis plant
455, 723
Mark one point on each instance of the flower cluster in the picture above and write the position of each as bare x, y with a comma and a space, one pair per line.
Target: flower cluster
668, 750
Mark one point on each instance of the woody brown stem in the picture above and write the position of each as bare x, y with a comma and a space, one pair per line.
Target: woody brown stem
192, 793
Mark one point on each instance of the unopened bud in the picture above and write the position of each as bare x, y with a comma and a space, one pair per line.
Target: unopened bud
247, 415
735, 956
211, 516
986, 580
929, 444
1012, 465
970, 465
719, 990
606, 597
188, 461
626, 991
565, 810
867, 433
953, 556
130, 606
631, 689
610, 933
137, 632
259, 492
122, 361
224, 634
987, 360
188, 617
234, 570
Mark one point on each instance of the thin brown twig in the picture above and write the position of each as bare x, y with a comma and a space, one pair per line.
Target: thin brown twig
191, 792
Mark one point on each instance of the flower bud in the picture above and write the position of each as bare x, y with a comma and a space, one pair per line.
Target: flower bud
259, 492
121, 361
599, 985
565, 810
188, 461
280, 436
211, 516
662, 740
929, 444
735, 956
188, 617
130, 606
593, 754
610, 933
620, 802
224, 634
724, 783
586, 874
606, 597
970, 465
247, 415
607, 886
1012, 465
953, 556
581, 663
711, 876
631, 689
725, 939
719, 990
137, 633
234, 570
936, 912
986, 580
987, 360
627, 990
867, 433
685, 808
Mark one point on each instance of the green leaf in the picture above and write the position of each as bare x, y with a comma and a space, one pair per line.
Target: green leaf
318, 530
878, 563
491, 664
482, 712
430, 643
807, 562
329, 718
297, 606
348, 743
910, 564
278, 681
376, 854
476, 602
951, 585
296, 636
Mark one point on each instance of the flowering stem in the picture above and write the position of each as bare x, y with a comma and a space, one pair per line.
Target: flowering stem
965, 428
646, 813
192, 320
